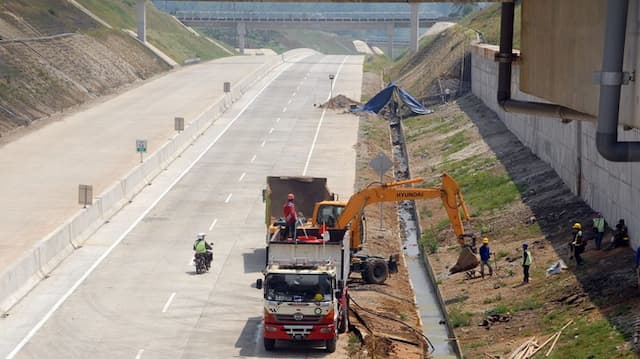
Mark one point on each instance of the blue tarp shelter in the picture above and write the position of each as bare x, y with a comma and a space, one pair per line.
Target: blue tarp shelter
377, 102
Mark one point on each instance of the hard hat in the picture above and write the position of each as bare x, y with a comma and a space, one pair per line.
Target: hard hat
201, 235
318, 297
577, 226
290, 196
485, 240
525, 245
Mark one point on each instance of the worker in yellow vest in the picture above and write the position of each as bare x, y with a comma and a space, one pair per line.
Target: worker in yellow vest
599, 226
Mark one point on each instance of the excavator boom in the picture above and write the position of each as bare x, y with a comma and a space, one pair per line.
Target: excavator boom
448, 192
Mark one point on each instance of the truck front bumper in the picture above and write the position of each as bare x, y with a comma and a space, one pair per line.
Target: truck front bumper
299, 332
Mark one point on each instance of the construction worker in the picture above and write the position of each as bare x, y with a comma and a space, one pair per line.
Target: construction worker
527, 259
290, 216
598, 229
620, 235
485, 254
577, 244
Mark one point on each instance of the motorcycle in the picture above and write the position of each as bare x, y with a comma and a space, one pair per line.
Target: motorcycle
203, 261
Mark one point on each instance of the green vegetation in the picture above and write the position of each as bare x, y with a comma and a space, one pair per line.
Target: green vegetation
459, 318
495, 298
353, 344
502, 253
455, 143
485, 188
591, 339
499, 310
487, 22
528, 304
163, 31
429, 241
377, 64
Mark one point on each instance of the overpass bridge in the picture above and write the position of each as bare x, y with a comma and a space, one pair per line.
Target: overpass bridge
241, 20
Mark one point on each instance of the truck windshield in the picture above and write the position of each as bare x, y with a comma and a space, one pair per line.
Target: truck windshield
297, 287
328, 214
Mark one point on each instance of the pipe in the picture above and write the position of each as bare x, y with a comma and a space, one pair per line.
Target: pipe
609, 106
505, 58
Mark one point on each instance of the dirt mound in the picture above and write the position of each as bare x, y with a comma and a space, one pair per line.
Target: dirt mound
340, 102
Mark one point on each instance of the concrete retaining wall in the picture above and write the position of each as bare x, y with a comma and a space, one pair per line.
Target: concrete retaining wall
608, 187
47, 254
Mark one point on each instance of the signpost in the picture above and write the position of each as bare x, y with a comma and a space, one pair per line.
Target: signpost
178, 124
381, 164
141, 147
85, 194
331, 77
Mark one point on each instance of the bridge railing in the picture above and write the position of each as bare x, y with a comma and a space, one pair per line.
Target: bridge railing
234, 16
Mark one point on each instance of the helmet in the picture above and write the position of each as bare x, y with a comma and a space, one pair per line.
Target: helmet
577, 226
485, 240
291, 196
318, 297
201, 235
525, 245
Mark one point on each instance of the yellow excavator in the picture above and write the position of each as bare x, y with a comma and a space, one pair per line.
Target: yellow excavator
335, 217
339, 215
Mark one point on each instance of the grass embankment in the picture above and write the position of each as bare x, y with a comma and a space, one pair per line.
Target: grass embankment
448, 141
163, 31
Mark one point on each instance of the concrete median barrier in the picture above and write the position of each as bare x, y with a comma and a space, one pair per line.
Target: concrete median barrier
18, 279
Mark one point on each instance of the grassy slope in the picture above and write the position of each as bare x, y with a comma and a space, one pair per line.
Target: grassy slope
162, 30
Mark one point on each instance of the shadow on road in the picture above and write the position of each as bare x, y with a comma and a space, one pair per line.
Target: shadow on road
254, 262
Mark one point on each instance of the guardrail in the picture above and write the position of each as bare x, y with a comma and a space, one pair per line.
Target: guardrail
230, 16
35, 265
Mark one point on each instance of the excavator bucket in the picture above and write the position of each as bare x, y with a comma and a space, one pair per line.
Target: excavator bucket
466, 261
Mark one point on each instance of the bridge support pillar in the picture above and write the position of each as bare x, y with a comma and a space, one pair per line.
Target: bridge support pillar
141, 20
242, 31
390, 34
414, 31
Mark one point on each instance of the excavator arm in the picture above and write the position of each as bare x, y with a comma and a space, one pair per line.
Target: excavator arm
449, 193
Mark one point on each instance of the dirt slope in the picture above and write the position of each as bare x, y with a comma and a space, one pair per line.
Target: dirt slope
514, 197
41, 75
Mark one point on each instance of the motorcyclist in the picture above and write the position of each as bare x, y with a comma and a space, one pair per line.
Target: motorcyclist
203, 248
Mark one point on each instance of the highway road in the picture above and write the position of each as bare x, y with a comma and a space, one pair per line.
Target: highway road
131, 291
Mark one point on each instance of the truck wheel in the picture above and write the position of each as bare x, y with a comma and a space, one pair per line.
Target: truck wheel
376, 271
269, 344
331, 344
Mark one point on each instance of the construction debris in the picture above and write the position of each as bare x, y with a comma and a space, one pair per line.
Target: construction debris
556, 268
529, 348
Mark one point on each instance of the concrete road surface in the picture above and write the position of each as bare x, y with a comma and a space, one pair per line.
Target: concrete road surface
131, 291
41, 171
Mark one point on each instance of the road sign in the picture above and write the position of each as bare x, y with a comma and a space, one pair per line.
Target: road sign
141, 146
85, 194
178, 124
381, 164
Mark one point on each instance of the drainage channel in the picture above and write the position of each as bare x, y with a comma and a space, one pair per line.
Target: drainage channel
429, 302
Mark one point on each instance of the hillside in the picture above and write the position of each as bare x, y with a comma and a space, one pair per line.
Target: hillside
53, 56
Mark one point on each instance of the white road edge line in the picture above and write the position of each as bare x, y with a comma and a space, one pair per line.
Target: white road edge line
228, 198
253, 158
166, 306
242, 176
213, 224
139, 355
75, 286
315, 137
